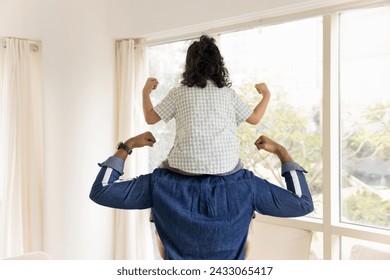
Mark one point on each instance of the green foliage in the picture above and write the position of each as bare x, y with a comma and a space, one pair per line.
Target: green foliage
369, 135
299, 131
367, 208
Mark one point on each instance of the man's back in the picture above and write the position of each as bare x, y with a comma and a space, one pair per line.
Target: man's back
202, 217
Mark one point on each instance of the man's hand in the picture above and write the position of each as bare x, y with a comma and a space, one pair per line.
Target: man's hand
269, 145
151, 84
141, 140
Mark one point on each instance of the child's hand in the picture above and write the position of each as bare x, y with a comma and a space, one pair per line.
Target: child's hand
151, 84
262, 89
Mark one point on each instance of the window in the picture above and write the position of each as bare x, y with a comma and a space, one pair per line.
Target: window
288, 57
360, 249
365, 117
291, 58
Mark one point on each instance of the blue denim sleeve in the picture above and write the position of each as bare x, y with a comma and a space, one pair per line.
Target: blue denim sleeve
273, 200
108, 190
114, 163
292, 166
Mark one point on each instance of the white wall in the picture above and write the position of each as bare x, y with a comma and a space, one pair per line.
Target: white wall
19, 18
154, 18
136, 18
78, 60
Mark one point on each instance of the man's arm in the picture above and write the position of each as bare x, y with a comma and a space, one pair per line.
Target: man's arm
273, 200
108, 190
141, 140
151, 117
269, 145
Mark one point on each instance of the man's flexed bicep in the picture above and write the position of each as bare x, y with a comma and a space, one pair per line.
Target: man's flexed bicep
272, 200
108, 190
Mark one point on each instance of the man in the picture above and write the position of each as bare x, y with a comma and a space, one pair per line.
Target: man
207, 216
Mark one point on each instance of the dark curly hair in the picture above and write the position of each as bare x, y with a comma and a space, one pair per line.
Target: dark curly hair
204, 62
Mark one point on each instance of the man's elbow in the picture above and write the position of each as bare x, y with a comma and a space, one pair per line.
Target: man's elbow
95, 197
309, 206
95, 192
92, 195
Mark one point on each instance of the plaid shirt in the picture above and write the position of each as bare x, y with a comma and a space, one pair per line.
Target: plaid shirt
206, 124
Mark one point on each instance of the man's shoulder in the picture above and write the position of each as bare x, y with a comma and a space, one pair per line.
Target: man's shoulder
242, 175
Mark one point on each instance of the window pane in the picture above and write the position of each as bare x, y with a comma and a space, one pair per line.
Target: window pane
317, 245
365, 117
288, 57
166, 63
358, 249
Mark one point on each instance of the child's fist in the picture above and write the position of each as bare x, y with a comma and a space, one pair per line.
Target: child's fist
151, 84
262, 89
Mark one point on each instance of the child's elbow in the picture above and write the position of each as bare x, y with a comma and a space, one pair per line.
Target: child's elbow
151, 117
151, 121
252, 120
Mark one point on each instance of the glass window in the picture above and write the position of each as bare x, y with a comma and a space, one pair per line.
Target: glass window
288, 57
358, 249
317, 245
365, 117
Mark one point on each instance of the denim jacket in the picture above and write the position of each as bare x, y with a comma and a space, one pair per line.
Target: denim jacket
203, 217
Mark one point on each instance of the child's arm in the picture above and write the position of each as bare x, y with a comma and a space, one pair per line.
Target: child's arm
150, 115
259, 110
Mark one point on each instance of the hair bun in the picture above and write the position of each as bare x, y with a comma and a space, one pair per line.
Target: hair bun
204, 39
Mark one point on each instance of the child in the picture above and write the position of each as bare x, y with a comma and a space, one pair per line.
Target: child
207, 112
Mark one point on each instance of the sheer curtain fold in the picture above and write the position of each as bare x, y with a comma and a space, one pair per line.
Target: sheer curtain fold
132, 234
21, 161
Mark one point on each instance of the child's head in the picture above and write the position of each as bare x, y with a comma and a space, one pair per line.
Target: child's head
204, 62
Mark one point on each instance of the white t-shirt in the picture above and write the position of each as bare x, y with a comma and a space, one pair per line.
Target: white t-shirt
206, 124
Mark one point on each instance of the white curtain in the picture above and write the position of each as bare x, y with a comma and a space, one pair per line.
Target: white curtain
21, 151
132, 235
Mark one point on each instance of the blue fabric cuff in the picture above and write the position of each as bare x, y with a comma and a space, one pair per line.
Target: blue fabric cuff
114, 163
292, 166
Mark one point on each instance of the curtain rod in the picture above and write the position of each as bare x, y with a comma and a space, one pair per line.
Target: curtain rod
34, 45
